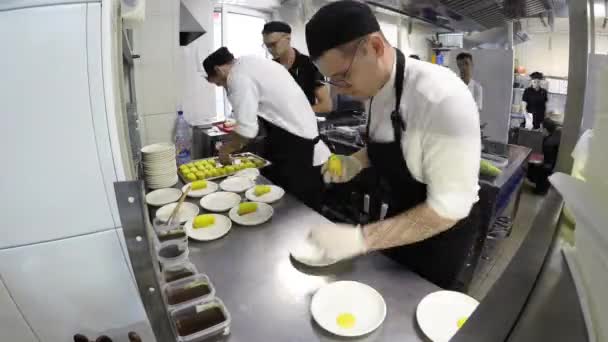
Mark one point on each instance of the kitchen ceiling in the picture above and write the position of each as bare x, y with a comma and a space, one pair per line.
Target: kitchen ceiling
470, 15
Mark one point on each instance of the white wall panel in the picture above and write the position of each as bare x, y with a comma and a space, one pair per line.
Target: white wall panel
80, 284
13, 326
48, 135
159, 127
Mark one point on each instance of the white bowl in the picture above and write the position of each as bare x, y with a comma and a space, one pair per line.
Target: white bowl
220, 201
215, 231
263, 214
236, 184
186, 212
439, 313
275, 194
308, 253
211, 188
341, 298
161, 197
157, 148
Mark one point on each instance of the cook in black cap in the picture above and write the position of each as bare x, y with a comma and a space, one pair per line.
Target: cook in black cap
277, 40
534, 99
261, 90
423, 140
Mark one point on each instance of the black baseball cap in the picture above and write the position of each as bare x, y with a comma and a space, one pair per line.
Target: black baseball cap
537, 75
219, 57
338, 23
276, 26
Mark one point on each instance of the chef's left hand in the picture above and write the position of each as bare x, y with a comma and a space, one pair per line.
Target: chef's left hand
224, 157
339, 241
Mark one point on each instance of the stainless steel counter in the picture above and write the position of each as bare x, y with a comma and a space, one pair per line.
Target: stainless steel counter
268, 294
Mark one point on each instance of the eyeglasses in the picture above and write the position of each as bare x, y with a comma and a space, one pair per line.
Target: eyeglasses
340, 80
272, 45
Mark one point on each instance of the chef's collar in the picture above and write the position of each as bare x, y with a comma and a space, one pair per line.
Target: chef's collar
387, 92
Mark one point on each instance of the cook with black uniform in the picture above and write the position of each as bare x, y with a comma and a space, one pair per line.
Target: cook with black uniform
423, 141
277, 40
260, 88
535, 99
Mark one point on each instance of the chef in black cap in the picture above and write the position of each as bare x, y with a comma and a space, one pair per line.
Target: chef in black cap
277, 40
534, 99
260, 88
423, 141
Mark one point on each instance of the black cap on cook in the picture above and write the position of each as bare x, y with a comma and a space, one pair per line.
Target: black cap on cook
338, 23
219, 57
276, 26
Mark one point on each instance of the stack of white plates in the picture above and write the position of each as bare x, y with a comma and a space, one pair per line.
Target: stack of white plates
160, 168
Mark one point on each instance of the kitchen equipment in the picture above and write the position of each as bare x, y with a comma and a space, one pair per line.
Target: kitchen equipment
220, 201
275, 194
236, 184
215, 231
179, 272
211, 188
348, 308
161, 197
185, 213
263, 213
440, 314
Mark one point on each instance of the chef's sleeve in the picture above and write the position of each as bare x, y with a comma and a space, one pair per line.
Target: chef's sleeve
244, 97
451, 152
526, 96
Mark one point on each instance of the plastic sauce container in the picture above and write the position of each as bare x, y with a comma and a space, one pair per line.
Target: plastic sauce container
193, 289
172, 253
201, 321
179, 272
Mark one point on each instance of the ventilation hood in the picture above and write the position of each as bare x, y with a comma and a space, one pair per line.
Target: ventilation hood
189, 28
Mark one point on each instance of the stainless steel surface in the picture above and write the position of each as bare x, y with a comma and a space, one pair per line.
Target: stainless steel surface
134, 217
517, 156
553, 311
577, 81
269, 295
500, 310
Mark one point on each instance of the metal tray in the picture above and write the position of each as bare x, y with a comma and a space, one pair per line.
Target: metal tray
216, 160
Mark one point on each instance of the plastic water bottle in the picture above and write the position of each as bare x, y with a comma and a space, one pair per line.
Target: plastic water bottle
183, 139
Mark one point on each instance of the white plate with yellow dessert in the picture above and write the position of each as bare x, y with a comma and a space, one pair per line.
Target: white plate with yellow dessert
201, 188
208, 227
440, 314
236, 184
334, 309
251, 173
220, 201
265, 193
186, 212
251, 213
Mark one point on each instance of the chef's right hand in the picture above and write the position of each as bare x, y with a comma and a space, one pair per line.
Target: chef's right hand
340, 169
224, 157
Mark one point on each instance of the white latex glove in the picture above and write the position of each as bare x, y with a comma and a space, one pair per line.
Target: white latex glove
340, 169
338, 241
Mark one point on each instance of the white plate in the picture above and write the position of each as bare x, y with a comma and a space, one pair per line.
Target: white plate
236, 184
220, 228
263, 214
348, 297
211, 188
439, 312
186, 212
158, 148
220, 201
275, 194
250, 173
163, 196
308, 253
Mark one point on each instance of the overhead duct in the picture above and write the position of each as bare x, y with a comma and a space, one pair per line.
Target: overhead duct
189, 28
493, 37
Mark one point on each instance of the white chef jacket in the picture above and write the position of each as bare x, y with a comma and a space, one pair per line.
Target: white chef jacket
477, 92
260, 86
441, 143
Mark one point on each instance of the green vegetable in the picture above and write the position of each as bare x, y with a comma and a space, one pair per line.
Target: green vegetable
487, 168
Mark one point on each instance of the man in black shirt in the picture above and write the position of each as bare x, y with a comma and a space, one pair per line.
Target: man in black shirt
277, 39
535, 99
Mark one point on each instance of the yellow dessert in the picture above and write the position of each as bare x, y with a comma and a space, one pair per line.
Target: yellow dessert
335, 166
190, 176
200, 175
198, 185
230, 169
346, 320
183, 168
461, 322
260, 190
247, 208
203, 221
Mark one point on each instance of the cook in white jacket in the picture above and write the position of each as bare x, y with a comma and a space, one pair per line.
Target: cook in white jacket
423, 141
261, 88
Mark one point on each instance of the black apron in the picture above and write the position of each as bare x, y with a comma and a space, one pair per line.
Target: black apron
292, 164
444, 258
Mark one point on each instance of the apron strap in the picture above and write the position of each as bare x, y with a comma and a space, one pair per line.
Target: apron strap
396, 119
